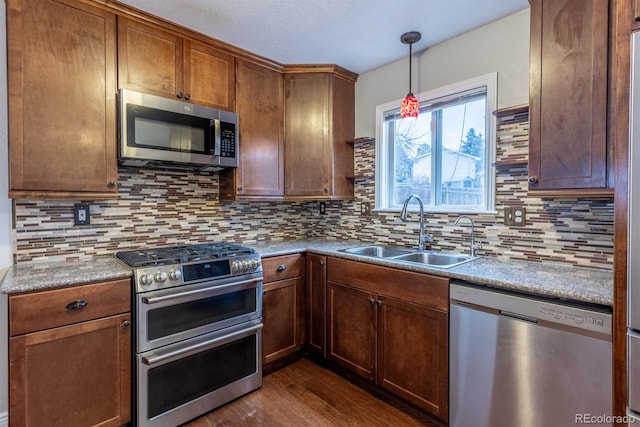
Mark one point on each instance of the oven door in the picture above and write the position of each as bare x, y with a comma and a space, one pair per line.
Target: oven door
182, 381
170, 315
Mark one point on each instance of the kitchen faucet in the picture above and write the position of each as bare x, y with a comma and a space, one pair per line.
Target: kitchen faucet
423, 238
472, 246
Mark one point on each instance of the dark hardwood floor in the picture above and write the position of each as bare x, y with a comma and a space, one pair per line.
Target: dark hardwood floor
306, 394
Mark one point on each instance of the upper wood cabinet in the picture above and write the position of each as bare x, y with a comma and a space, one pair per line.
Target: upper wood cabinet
62, 100
319, 119
157, 61
260, 106
568, 95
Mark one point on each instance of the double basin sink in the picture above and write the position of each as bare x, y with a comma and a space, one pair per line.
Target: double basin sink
426, 258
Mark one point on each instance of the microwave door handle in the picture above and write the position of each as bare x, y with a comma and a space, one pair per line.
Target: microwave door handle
217, 144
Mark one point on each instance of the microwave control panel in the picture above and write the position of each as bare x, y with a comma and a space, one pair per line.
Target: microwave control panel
227, 139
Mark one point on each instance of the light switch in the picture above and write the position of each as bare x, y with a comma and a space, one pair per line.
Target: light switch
515, 216
81, 214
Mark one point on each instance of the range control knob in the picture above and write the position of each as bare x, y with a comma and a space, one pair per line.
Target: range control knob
175, 275
146, 279
245, 264
254, 263
161, 277
235, 266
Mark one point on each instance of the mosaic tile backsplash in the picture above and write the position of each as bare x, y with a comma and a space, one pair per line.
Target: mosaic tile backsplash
159, 207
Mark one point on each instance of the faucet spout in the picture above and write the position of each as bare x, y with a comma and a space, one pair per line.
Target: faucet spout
423, 238
472, 246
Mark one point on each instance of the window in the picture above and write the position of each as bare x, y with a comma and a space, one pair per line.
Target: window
445, 155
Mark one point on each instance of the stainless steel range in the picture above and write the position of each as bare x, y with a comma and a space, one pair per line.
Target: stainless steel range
198, 319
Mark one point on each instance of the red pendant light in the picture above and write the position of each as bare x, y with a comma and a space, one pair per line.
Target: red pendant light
410, 107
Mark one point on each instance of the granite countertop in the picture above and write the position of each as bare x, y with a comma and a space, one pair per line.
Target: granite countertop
550, 280
36, 276
581, 284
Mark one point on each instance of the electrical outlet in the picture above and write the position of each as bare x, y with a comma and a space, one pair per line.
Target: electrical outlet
365, 208
81, 214
323, 208
515, 216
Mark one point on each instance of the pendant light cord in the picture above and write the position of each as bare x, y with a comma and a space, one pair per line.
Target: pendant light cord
410, 46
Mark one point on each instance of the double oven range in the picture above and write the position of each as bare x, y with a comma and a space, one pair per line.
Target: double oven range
198, 329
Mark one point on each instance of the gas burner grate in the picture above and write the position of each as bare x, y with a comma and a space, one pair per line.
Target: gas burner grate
182, 254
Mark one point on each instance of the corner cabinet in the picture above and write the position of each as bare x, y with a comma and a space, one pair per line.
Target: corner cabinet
568, 96
62, 100
391, 327
158, 61
260, 107
70, 364
319, 120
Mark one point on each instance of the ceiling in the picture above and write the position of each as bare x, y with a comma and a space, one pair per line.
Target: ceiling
356, 34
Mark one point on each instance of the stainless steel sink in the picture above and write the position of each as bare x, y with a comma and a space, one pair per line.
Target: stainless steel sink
427, 258
377, 251
436, 259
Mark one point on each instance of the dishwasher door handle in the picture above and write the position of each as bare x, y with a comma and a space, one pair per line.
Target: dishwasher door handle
518, 316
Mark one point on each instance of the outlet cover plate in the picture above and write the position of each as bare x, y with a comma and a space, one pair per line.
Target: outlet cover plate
81, 214
515, 216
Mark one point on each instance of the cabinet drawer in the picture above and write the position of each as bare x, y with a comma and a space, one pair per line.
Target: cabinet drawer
282, 267
48, 309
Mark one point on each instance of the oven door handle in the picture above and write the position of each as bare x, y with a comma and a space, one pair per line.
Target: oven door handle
200, 346
172, 296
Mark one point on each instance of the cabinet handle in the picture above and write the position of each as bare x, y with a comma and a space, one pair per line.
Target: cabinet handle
281, 267
179, 95
112, 184
187, 96
533, 180
379, 303
76, 305
372, 301
126, 324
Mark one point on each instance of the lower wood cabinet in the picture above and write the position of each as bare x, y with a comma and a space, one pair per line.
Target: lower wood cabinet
391, 327
282, 307
77, 371
316, 310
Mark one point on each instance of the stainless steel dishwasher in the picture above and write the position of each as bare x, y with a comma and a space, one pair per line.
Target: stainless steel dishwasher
526, 362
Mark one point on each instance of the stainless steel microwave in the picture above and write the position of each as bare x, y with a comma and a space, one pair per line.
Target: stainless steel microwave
154, 129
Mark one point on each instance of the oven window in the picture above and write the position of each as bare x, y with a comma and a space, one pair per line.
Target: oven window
166, 321
184, 380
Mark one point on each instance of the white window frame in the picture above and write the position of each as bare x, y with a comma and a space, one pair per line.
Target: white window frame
383, 167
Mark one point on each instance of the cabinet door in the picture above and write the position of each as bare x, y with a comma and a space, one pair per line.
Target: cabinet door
307, 135
316, 271
93, 389
259, 102
209, 76
412, 354
281, 315
351, 318
568, 94
149, 59
62, 99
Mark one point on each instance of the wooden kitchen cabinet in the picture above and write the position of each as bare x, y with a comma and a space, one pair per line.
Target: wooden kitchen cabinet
62, 100
316, 307
282, 307
568, 96
260, 107
319, 120
390, 327
71, 367
157, 61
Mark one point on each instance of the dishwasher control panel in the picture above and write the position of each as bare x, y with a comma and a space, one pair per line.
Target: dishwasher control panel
531, 309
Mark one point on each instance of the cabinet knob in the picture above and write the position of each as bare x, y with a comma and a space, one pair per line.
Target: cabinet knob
126, 324
372, 301
240, 188
179, 95
187, 96
111, 184
281, 267
321, 263
533, 180
76, 305
378, 303
326, 191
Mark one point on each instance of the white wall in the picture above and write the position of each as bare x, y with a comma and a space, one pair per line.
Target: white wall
5, 213
501, 46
